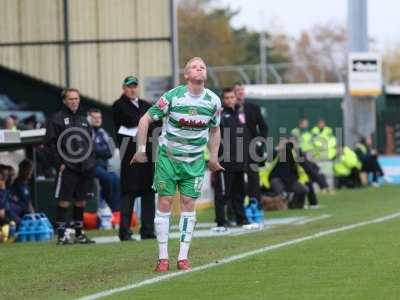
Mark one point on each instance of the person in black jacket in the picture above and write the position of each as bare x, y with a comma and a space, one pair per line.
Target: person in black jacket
136, 179
284, 176
250, 114
103, 148
69, 146
230, 183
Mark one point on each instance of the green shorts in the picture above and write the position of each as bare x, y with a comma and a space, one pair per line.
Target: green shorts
171, 173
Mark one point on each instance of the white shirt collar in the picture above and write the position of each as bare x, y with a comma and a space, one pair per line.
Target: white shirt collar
135, 102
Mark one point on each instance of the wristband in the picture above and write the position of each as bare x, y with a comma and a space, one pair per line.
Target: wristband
141, 148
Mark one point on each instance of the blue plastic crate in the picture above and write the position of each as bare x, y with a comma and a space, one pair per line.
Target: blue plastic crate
254, 212
35, 228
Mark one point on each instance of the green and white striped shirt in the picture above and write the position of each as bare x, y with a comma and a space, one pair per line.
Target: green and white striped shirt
187, 121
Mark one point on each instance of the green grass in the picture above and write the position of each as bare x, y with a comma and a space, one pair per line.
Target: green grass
359, 264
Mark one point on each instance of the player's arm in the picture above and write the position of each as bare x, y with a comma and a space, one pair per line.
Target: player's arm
141, 139
213, 145
155, 113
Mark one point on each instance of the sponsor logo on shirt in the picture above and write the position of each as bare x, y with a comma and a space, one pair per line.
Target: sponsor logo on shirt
191, 123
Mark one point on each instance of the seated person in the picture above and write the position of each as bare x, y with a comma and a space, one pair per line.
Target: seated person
3, 197
109, 181
346, 169
21, 201
313, 172
284, 175
369, 160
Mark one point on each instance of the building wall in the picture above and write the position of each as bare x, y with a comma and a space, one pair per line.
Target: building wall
103, 49
283, 115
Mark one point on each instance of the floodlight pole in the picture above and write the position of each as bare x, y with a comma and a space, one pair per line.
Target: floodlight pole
357, 23
174, 42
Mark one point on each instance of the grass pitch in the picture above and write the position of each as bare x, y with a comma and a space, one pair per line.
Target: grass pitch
363, 263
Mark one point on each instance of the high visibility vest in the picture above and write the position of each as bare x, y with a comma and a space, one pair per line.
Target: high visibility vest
324, 143
346, 162
305, 139
265, 172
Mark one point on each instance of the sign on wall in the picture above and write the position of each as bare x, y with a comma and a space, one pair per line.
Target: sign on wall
365, 74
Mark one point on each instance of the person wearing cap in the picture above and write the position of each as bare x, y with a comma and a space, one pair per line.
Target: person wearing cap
136, 180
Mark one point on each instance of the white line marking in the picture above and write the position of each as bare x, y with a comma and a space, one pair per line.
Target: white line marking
239, 257
312, 219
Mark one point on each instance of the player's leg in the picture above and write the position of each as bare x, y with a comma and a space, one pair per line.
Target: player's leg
190, 190
161, 225
187, 223
65, 185
165, 185
83, 189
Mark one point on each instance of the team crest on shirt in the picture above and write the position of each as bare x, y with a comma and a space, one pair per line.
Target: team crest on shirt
66, 121
192, 111
162, 103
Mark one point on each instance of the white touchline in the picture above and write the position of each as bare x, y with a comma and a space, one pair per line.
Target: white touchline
238, 257
309, 220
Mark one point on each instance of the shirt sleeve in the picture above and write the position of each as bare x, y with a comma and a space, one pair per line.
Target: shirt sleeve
161, 108
216, 119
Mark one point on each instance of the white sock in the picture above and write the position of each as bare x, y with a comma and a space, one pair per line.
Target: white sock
186, 226
161, 224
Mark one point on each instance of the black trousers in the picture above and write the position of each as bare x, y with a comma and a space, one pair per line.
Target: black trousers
147, 213
311, 195
234, 193
300, 191
352, 181
253, 182
372, 165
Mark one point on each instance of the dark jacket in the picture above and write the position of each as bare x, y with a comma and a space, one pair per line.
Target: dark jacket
20, 191
256, 126
234, 156
285, 169
76, 147
102, 148
138, 176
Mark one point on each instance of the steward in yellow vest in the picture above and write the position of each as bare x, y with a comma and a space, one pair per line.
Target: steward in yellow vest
346, 169
324, 142
303, 136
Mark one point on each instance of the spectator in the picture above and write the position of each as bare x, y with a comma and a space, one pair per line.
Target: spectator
10, 124
136, 179
11, 175
4, 198
369, 160
21, 200
314, 175
346, 169
284, 175
109, 181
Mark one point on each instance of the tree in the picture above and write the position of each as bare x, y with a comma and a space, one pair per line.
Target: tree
319, 54
391, 65
206, 31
